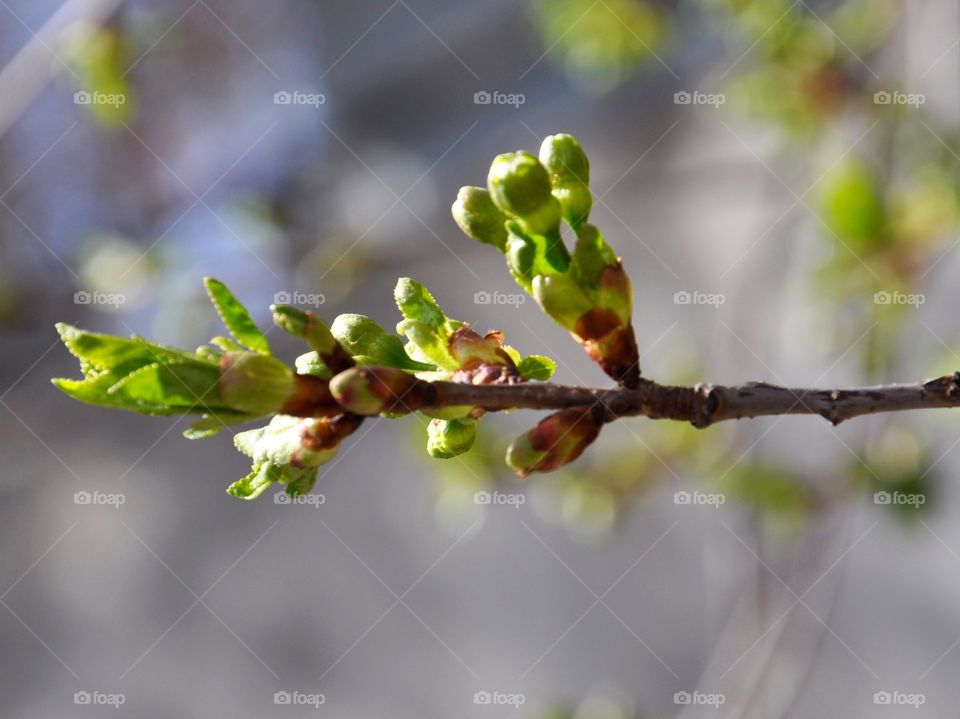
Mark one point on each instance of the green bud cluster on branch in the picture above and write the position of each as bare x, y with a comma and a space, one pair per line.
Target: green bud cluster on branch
438, 368
587, 291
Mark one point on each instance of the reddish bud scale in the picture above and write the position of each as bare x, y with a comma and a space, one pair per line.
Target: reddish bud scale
482, 360
327, 432
311, 398
610, 344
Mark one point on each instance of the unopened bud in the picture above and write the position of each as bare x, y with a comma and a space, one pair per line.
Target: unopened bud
520, 187
372, 390
479, 218
569, 171
555, 441
315, 331
449, 438
253, 383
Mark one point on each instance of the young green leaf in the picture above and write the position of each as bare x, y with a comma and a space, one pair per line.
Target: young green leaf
235, 317
416, 303
369, 344
536, 368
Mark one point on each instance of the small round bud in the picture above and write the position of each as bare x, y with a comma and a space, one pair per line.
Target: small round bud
520, 187
253, 383
449, 438
479, 218
569, 171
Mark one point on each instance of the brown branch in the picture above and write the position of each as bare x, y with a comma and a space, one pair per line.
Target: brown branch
701, 405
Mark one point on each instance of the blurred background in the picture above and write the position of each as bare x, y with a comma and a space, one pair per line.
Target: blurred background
782, 180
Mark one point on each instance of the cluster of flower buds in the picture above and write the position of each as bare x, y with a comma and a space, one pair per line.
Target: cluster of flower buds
587, 291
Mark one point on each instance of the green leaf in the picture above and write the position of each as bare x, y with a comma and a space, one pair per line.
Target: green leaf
416, 303
235, 317
536, 368
184, 385
369, 344
429, 343
255, 483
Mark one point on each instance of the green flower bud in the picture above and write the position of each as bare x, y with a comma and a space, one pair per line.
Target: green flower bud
253, 383
373, 390
569, 171
521, 259
555, 441
449, 438
520, 187
479, 218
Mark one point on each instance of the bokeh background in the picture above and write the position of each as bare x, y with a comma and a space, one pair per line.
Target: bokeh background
782, 180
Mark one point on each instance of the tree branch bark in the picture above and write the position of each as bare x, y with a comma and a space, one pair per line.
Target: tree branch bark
706, 404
